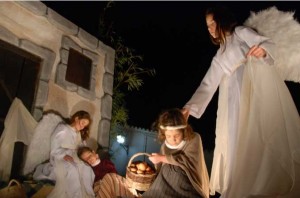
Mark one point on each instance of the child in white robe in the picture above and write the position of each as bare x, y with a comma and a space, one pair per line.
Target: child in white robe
73, 178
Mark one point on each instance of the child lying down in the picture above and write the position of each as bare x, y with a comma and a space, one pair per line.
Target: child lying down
107, 183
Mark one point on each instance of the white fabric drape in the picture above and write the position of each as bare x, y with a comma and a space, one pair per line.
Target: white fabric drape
18, 127
268, 149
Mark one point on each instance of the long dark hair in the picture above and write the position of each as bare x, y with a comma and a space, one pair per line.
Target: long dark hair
225, 21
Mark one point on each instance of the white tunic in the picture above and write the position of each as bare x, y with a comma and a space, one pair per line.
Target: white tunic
72, 179
233, 147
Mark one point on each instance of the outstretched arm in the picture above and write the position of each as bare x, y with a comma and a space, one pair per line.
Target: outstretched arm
186, 113
157, 158
204, 93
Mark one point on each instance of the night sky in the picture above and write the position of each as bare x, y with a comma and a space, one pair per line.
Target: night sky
173, 38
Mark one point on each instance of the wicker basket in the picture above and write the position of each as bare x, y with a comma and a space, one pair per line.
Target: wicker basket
13, 191
138, 181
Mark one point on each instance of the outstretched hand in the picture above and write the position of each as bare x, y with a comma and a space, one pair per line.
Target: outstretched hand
256, 51
185, 113
156, 158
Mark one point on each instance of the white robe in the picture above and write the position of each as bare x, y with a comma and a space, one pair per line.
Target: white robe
72, 179
230, 167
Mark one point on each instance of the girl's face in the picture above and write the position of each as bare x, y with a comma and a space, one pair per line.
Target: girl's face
81, 124
174, 137
89, 157
211, 25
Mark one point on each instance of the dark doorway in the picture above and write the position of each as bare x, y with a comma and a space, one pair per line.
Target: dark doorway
19, 72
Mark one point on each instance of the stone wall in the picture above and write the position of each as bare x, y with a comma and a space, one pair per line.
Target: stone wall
39, 30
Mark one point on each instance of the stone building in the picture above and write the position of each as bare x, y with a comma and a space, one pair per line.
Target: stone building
52, 64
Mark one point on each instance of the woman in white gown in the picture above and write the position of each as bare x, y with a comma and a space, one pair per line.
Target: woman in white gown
73, 178
256, 150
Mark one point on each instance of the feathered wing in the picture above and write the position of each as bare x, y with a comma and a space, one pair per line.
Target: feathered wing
284, 30
38, 150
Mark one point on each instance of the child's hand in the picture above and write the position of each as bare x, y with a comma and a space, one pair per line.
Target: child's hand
256, 51
68, 158
185, 113
156, 158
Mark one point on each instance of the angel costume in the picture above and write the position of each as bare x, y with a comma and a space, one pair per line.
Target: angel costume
185, 176
258, 130
72, 179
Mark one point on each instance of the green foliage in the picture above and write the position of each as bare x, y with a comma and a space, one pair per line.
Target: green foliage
129, 70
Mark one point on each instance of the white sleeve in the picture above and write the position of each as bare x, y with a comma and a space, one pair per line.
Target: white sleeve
58, 139
252, 38
204, 93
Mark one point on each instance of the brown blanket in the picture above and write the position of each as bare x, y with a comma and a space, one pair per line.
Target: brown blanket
113, 185
191, 159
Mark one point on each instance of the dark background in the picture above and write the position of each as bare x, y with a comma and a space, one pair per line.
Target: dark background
173, 38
